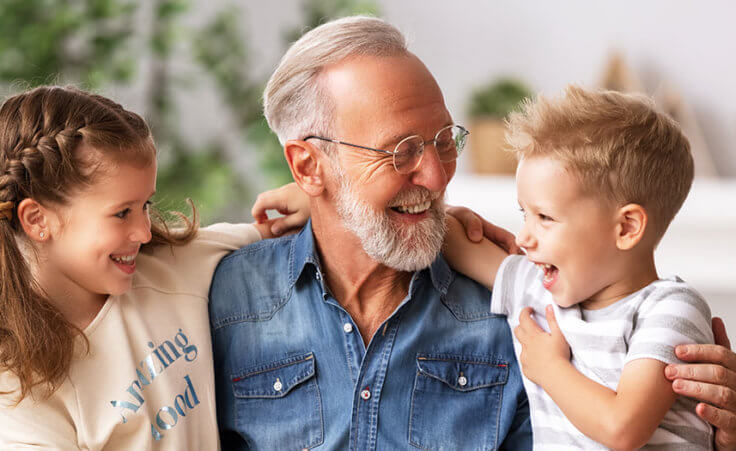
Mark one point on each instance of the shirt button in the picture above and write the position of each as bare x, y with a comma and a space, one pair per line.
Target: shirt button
277, 385
347, 327
318, 276
325, 296
365, 394
462, 381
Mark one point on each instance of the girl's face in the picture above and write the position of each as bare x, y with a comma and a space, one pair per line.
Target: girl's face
94, 240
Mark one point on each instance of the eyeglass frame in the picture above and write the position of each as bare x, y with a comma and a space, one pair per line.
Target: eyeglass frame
393, 154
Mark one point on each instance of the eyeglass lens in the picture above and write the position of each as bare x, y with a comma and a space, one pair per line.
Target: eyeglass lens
449, 142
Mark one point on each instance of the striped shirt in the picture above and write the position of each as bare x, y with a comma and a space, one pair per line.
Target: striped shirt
646, 324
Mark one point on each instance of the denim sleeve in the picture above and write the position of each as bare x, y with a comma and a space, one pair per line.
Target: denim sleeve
520, 433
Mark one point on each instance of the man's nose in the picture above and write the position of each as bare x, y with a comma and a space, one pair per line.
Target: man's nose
432, 173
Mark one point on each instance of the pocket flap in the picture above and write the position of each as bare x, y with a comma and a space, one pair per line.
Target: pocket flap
463, 373
275, 379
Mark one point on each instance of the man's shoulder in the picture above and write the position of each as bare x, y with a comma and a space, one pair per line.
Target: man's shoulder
250, 283
467, 299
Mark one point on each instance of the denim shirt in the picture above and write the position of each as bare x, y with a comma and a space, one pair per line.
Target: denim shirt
292, 371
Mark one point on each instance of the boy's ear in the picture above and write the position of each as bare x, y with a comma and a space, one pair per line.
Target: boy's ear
34, 219
631, 224
307, 166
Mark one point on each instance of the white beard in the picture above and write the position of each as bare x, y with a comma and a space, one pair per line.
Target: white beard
403, 247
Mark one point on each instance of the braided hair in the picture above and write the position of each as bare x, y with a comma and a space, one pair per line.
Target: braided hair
53, 140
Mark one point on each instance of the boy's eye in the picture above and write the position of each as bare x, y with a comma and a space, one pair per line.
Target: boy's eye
122, 214
544, 217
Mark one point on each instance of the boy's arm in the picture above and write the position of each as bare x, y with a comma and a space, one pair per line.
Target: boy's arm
479, 261
622, 419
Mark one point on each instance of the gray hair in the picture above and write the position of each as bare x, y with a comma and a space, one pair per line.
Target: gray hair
294, 102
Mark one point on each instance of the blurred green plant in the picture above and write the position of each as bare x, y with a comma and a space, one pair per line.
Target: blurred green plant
220, 49
497, 99
97, 43
52, 41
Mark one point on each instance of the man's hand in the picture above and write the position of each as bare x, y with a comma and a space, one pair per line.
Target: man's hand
710, 378
290, 201
476, 228
539, 349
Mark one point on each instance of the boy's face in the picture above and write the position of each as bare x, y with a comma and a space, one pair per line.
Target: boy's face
569, 233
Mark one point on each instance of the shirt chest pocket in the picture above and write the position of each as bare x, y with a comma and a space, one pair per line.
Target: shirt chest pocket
456, 402
278, 404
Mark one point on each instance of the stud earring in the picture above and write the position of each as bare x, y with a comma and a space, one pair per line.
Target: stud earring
41, 235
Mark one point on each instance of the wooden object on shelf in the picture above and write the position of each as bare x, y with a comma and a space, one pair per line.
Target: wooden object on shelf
487, 147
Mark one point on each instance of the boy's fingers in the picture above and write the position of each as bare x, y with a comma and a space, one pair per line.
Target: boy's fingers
717, 395
520, 334
526, 322
719, 333
501, 237
470, 222
549, 312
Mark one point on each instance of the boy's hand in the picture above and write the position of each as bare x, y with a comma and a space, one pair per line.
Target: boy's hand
540, 349
476, 228
710, 378
290, 201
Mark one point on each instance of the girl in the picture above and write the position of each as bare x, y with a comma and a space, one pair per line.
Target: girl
104, 334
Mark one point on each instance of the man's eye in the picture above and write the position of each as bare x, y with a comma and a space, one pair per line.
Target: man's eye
122, 214
147, 205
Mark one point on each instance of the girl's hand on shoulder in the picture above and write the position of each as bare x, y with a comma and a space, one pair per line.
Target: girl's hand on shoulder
290, 201
540, 350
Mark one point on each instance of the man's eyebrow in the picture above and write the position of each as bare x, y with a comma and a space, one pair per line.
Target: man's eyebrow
390, 142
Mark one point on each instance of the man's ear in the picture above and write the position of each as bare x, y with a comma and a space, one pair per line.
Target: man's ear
35, 220
632, 223
307, 165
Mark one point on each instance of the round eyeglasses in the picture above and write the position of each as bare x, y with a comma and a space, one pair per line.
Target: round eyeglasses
407, 155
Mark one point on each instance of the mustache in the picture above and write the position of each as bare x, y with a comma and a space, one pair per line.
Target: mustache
415, 195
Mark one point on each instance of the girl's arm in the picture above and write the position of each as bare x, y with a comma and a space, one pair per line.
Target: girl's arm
621, 419
290, 201
477, 260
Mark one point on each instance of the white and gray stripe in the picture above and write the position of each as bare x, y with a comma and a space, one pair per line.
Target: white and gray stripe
645, 324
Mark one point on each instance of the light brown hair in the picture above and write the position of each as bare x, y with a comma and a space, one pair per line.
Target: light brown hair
53, 141
618, 146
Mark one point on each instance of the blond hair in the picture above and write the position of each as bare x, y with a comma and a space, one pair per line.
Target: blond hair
618, 145
294, 103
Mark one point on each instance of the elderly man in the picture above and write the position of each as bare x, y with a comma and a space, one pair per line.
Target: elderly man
355, 334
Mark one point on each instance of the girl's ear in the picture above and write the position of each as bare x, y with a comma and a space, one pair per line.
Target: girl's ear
34, 219
632, 223
306, 163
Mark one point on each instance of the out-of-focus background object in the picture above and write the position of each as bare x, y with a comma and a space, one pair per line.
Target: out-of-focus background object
196, 71
489, 106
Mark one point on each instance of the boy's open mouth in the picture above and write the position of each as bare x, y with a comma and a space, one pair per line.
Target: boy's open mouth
550, 274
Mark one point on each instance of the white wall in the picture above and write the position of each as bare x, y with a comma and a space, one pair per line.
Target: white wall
691, 45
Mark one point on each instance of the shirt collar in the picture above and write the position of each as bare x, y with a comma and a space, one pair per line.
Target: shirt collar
304, 251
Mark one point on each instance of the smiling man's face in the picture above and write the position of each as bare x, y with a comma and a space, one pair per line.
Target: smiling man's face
399, 218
